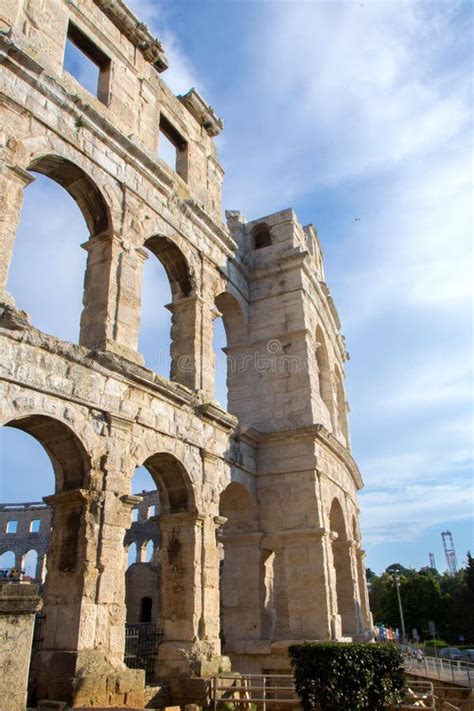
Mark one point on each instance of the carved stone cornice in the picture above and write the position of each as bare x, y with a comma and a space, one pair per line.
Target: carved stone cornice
130, 500
202, 112
135, 31
211, 411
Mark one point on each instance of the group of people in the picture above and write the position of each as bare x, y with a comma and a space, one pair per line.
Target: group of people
13, 575
415, 654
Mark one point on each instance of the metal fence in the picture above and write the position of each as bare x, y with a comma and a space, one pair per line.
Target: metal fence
442, 669
141, 642
266, 691
277, 691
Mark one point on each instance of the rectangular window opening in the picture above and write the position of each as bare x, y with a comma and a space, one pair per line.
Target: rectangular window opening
87, 63
35, 526
173, 148
12, 526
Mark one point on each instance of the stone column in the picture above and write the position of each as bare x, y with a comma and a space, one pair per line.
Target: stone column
18, 604
180, 595
276, 543
241, 588
188, 606
366, 615
13, 180
345, 586
81, 660
111, 316
185, 339
309, 602
40, 567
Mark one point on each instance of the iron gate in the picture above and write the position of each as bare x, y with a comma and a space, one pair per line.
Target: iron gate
141, 641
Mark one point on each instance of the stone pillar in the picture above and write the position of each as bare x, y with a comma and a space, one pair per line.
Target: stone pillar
111, 316
276, 543
185, 339
18, 604
309, 603
345, 586
188, 597
180, 595
13, 180
81, 660
241, 588
366, 615
40, 567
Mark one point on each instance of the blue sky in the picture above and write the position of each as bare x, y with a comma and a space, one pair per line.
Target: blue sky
342, 110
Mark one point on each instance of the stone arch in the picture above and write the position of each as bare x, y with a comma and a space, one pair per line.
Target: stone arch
232, 317
324, 371
7, 558
173, 481
261, 236
175, 264
132, 553
80, 186
184, 306
237, 506
69, 459
342, 569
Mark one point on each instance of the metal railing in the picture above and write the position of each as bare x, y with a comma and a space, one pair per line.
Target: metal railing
264, 691
442, 669
417, 694
141, 641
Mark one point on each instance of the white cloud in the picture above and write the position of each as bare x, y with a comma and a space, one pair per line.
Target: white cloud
403, 515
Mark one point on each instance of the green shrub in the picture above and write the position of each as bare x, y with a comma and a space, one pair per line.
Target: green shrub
359, 677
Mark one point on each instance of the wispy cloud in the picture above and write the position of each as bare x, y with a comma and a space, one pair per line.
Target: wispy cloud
404, 516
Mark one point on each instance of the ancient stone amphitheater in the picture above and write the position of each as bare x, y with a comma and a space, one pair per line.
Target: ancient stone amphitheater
258, 515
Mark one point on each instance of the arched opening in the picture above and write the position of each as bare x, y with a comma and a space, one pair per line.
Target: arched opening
229, 334
131, 554
30, 564
166, 494
48, 460
261, 236
7, 562
168, 311
341, 406
148, 551
61, 210
240, 570
141, 539
324, 372
343, 570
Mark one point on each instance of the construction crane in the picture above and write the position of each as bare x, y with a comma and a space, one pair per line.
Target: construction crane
432, 561
449, 552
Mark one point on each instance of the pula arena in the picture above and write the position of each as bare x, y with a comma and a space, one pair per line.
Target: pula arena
269, 485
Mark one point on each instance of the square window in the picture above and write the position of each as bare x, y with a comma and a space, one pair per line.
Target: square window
12, 526
87, 63
173, 148
35, 526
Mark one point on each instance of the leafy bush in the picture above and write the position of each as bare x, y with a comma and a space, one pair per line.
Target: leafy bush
359, 677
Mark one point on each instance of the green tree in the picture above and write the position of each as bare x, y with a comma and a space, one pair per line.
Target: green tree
426, 595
